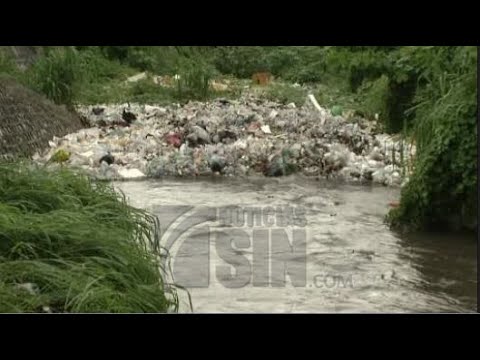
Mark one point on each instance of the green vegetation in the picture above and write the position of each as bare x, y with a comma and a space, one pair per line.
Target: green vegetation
195, 79
442, 192
77, 245
60, 156
56, 75
90, 75
286, 93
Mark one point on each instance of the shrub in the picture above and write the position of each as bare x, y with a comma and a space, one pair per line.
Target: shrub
375, 96
240, 61
115, 52
285, 94
442, 191
194, 81
146, 91
94, 67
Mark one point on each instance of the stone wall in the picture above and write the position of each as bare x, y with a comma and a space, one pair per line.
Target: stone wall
28, 120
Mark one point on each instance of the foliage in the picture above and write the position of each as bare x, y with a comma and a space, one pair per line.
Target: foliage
375, 97
285, 94
94, 67
194, 80
240, 61
115, 52
443, 189
60, 156
55, 75
146, 91
301, 64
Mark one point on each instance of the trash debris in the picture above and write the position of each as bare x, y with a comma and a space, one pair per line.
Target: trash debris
98, 110
217, 163
198, 136
108, 158
174, 139
137, 77
217, 86
31, 288
241, 137
273, 115
131, 173
128, 117
323, 112
266, 129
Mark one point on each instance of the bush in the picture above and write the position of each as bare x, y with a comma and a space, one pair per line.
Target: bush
375, 96
78, 243
94, 67
195, 79
285, 94
442, 192
301, 64
116, 52
157, 59
240, 61
146, 91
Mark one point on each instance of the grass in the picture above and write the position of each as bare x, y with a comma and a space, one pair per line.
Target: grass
334, 93
285, 93
7, 65
329, 95
81, 245
56, 75
375, 97
88, 76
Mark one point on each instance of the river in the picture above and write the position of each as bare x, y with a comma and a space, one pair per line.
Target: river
333, 246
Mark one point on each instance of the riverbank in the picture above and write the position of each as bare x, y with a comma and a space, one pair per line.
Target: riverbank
72, 245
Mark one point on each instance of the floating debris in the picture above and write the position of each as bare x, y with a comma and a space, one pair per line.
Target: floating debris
247, 136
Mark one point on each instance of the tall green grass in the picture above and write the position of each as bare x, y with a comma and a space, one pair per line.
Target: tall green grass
195, 79
79, 242
285, 94
90, 75
56, 75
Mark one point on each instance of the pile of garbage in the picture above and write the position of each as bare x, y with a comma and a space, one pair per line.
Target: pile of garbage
243, 137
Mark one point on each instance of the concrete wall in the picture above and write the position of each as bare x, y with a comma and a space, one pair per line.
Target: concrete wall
28, 120
24, 55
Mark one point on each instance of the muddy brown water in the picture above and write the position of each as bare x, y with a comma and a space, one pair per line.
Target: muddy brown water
350, 262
